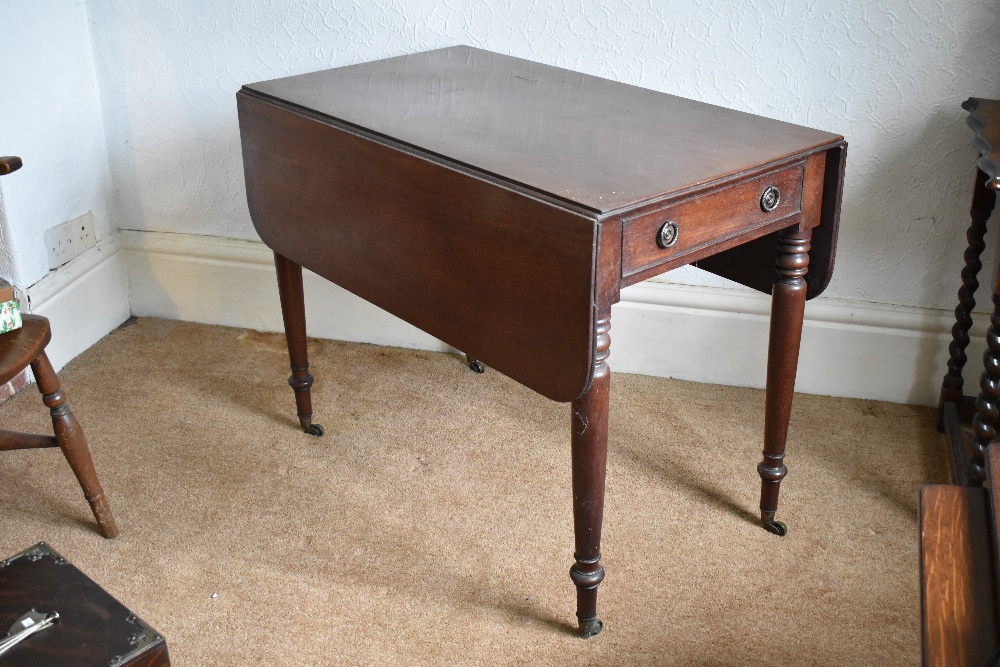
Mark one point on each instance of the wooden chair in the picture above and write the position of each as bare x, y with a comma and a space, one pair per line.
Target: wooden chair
26, 346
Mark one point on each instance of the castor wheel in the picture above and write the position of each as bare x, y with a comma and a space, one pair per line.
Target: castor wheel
772, 525
309, 427
590, 627
777, 527
475, 364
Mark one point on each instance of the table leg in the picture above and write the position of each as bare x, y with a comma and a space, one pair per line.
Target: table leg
590, 454
788, 300
987, 411
983, 201
293, 311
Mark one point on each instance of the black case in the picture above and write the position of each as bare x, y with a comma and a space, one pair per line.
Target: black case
93, 630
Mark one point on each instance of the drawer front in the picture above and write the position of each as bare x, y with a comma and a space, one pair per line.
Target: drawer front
709, 218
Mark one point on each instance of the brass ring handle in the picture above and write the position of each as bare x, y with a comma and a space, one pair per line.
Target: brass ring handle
10, 163
770, 199
667, 236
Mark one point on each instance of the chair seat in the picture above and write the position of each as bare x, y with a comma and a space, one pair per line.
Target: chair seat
20, 347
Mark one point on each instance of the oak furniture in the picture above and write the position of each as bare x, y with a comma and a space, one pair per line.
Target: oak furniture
959, 556
959, 593
501, 205
969, 466
25, 347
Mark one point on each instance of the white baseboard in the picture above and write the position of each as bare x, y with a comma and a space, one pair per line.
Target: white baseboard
707, 334
849, 348
84, 300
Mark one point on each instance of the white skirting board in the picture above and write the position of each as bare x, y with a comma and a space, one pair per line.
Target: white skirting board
84, 300
706, 334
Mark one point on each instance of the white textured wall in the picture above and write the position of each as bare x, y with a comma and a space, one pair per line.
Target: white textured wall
50, 115
888, 76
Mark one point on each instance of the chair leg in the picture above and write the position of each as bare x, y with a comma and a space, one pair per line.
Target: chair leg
73, 444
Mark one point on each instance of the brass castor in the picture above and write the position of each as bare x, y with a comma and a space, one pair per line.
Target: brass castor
772, 525
590, 627
475, 364
309, 427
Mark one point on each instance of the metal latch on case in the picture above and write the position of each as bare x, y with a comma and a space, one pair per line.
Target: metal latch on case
26, 626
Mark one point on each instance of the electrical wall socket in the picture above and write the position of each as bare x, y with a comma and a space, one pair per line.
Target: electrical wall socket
59, 244
67, 240
83, 232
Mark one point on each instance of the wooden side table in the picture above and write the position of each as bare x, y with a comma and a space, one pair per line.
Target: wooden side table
984, 119
501, 205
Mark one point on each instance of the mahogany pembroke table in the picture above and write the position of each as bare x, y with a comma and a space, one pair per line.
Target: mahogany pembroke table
501, 205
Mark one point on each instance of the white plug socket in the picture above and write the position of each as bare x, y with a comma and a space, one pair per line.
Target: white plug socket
67, 240
83, 232
59, 244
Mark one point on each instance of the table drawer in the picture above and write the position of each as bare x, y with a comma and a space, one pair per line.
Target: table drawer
683, 227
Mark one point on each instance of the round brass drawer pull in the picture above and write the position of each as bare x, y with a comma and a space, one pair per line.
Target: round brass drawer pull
770, 199
667, 236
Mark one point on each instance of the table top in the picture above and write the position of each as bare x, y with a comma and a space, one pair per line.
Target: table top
495, 203
984, 119
594, 144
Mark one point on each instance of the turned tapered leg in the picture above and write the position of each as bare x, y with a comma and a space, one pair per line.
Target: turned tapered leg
590, 454
73, 444
293, 311
788, 300
987, 410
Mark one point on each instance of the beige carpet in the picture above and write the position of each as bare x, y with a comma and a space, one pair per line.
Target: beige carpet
432, 524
